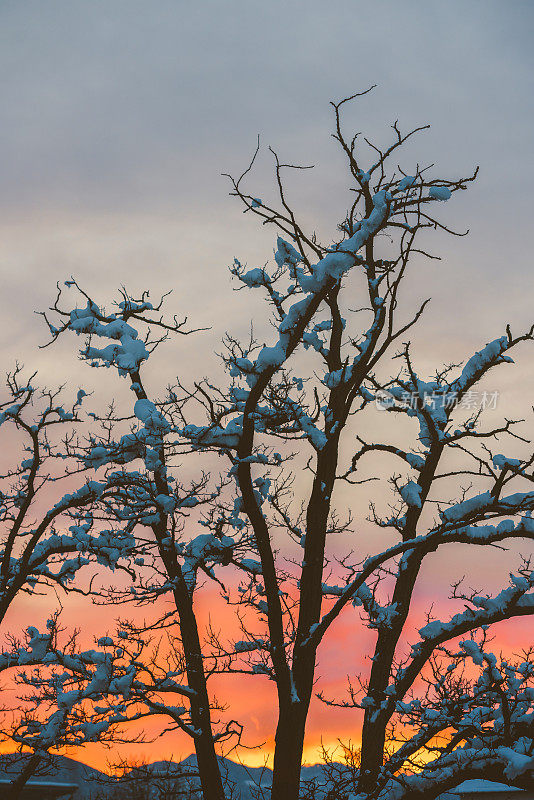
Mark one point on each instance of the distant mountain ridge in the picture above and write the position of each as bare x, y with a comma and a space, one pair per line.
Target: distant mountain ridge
91, 781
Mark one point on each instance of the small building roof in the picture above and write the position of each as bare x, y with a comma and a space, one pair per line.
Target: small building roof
485, 790
42, 790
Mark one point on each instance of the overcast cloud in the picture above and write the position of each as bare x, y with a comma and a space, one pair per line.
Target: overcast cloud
120, 115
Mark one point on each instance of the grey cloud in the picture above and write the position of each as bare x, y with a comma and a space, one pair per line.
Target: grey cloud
121, 114
128, 103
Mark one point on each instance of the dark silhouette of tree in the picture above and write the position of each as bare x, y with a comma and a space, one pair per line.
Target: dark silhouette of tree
291, 428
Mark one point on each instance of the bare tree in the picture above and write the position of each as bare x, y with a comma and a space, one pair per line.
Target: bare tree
47, 531
283, 414
307, 292
153, 503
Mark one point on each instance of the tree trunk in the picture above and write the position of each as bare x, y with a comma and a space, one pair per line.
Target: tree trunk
289, 743
18, 784
374, 725
208, 765
208, 768
292, 715
207, 762
372, 753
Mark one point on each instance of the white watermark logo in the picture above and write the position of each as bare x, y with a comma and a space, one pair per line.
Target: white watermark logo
470, 401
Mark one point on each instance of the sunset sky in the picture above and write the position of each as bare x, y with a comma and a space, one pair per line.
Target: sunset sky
121, 115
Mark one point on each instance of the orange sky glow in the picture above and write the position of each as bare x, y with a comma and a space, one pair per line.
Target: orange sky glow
250, 699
